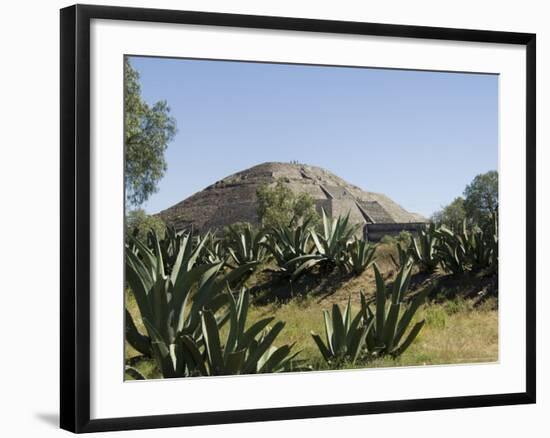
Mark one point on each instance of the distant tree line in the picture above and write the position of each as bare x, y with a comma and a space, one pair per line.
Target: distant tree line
479, 202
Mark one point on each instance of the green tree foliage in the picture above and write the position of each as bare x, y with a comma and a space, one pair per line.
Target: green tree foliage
140, 223
279, 206
479, 204
452, 215
148, 130
481, 197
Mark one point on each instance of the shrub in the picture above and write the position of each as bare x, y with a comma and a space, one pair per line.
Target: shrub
278, 206
140, 223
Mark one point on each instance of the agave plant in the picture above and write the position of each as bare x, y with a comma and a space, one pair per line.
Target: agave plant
392, 317
491, 241
246, 246
286, 244
345, 334
245, 351
471, 249
170, 303
214, 250
331, 245
452, 251
361, 256
424, 248
170, 244
403, 256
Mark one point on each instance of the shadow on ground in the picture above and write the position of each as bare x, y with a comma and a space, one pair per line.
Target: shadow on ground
49, 418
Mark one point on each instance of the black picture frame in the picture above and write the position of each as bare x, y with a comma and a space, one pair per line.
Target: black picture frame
75, 217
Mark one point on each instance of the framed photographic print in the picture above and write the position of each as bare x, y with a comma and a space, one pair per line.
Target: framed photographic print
268, 218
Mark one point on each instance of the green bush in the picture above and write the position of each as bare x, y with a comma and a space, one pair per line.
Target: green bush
279, 206
139, 223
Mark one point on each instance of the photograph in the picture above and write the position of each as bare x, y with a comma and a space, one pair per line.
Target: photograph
307, 218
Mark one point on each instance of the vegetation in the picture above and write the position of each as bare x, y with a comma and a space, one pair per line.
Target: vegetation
246, 246
148, 130
481, 197
429, 297
453, 215
287, 245
245, 351
479, 203
183, 319
391, 323
171, 302
424, 248
470, 249
345, 335
139, 223
331, 244
279, 206
361, 256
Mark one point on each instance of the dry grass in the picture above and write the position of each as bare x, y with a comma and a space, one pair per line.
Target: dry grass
455, 332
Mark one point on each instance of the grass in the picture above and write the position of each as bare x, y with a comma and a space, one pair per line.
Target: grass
461, 319
467, 335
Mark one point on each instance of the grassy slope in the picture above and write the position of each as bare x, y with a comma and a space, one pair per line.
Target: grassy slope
460, 328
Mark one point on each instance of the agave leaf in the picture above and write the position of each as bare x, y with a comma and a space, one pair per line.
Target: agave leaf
329, 331
347, 316
304, 267
232, 337
212, 342
388, 334
182, 288
134, 373
358, 341
409, 313
380, 301
135, 338
262, 347
139, 290
253, 331
234, 361
275, 358
410, 338
193, 353
322, 348
339, 335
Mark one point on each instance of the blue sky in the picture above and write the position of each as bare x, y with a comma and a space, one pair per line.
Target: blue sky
419, 137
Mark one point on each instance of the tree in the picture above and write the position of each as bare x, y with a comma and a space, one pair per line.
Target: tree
139, 222
148, 130
452, 215
278, 205
481, 197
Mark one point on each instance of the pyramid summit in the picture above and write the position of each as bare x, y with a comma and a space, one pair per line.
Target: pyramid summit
233, 199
